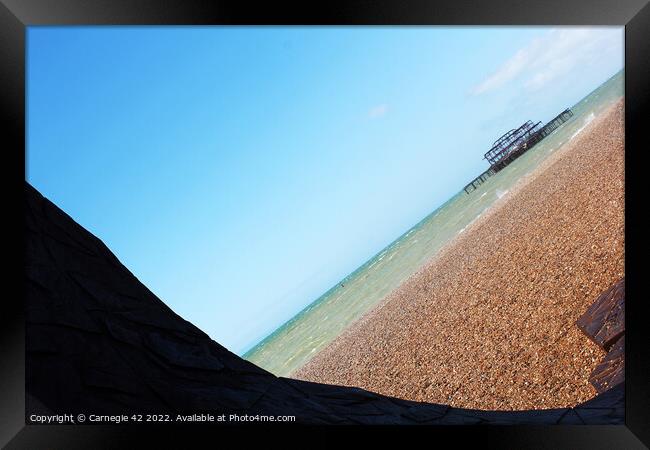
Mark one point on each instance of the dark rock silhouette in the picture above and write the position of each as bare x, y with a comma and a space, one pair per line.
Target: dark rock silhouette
99, 342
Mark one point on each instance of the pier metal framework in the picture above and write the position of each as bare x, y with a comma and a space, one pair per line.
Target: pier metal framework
511, 142
515, 143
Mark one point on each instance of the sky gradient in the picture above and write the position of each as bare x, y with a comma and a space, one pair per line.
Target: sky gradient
240, 173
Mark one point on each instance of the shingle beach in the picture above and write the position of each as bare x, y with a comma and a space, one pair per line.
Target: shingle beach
489, 323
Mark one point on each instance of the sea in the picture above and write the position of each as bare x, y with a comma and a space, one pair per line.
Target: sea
299, 339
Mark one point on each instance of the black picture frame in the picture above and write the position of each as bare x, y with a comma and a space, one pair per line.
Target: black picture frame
17, 15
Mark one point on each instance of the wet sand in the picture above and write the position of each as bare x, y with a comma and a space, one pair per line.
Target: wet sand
489, 323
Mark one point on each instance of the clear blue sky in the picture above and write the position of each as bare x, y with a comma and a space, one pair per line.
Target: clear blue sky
240, 172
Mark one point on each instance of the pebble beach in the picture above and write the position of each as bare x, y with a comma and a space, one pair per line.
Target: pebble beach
489, 322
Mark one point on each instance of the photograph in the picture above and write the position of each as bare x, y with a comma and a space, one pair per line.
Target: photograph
434, 214
255, 220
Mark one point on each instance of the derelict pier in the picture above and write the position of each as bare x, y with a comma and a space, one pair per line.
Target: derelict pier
515, 143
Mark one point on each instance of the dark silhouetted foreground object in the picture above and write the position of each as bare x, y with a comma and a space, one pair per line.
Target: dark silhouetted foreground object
604, 323
611, 371
99, 342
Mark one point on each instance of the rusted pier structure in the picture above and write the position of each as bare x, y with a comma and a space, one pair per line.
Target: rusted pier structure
550, 127
515, 143
476, 182
511, 145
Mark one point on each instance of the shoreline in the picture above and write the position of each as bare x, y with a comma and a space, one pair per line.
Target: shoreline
462, 330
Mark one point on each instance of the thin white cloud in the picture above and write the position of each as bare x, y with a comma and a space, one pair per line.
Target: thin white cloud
378, 111
555, 54
509, 70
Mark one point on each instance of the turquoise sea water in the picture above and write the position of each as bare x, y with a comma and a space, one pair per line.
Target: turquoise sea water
299, 339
